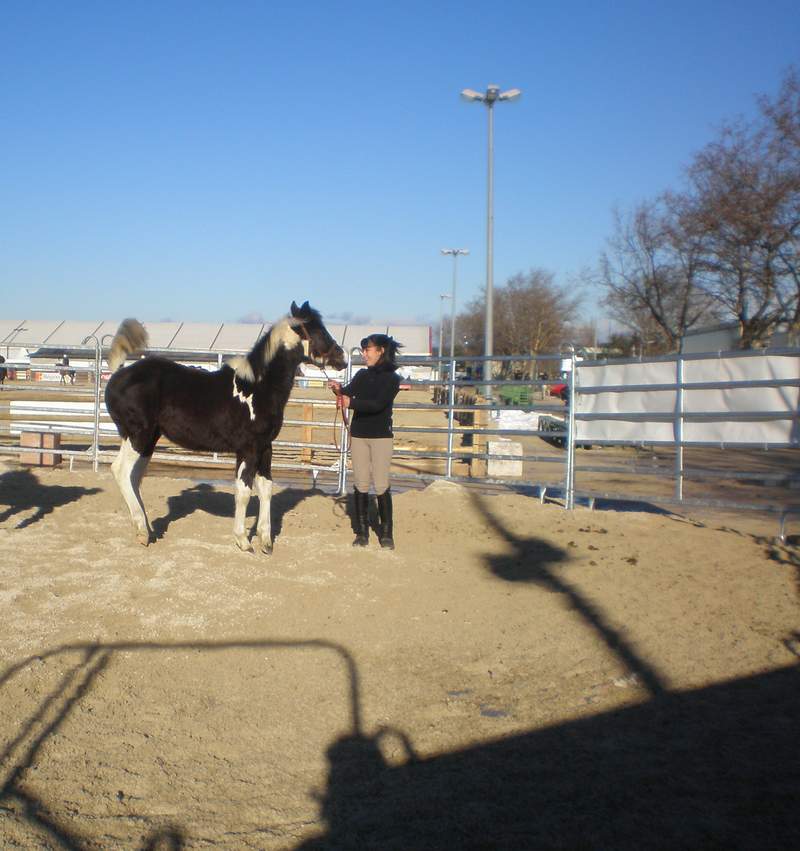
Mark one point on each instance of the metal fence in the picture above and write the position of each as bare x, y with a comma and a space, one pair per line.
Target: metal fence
469, 412
461, 415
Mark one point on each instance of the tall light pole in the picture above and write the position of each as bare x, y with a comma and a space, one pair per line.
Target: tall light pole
442, 297
489, 98
454, 253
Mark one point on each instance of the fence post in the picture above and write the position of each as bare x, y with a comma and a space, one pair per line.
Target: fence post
215, 456
479, 467
679, 427
98, 356
306, 455
451, 395
569, 485
343, 433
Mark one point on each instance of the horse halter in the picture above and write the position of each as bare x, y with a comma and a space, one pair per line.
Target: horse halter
306, 340
307, 354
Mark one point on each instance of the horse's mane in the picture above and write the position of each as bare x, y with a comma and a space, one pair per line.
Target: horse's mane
250, 367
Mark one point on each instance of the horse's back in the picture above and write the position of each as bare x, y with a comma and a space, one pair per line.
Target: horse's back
137, 395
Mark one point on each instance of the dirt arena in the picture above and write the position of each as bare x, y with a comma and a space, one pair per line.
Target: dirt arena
511, 676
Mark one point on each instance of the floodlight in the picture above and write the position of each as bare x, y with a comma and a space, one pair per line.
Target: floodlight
488, 99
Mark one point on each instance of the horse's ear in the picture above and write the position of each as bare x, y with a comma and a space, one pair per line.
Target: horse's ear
305, 308
295, 310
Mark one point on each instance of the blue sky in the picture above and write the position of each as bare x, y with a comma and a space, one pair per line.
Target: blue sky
208, 160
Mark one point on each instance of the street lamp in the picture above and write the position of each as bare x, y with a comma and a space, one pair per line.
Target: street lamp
442, 297
488, 98
454, 253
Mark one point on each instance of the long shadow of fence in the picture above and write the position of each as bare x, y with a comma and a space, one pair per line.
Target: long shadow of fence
21, 752
714, 768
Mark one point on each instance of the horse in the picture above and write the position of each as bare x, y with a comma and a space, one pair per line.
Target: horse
237, 408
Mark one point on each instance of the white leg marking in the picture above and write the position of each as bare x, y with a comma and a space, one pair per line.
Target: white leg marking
128, 469
242, 497
264, 526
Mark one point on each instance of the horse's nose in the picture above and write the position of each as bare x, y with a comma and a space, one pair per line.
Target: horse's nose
339, 360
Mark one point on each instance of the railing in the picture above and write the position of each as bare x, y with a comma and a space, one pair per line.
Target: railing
102, 431
468, 422
732, 408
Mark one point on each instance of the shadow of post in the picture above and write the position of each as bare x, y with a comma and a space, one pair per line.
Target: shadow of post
532, 560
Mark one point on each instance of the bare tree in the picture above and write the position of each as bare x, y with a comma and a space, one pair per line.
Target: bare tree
783, 118
727, 246
650, 273
531, 316
745, 203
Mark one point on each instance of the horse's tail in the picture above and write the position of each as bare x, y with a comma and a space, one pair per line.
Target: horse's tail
130, 337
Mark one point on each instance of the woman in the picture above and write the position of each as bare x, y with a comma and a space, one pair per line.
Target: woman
370, 396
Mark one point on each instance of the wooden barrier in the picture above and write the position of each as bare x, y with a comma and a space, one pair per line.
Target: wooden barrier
478, 466
307, 454
40, 440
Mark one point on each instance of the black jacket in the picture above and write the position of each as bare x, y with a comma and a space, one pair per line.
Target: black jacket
371, 393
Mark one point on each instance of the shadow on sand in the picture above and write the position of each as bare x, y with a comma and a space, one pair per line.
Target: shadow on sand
535, 561
23, 749
716, 768
713, 768
22, 491
205, 497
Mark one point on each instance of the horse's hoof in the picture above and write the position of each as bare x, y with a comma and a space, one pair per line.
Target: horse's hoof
143, 538
244, 545
266, 548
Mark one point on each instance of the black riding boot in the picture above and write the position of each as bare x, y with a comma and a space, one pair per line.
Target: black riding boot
385, 518
361, 518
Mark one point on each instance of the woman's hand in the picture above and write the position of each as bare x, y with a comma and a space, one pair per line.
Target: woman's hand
336, 387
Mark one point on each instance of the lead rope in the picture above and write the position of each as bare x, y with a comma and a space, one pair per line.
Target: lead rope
345, 422
345, 418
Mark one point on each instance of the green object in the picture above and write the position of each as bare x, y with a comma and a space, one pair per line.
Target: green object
516, 395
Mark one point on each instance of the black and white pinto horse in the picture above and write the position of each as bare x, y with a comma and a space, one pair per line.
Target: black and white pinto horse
238, 409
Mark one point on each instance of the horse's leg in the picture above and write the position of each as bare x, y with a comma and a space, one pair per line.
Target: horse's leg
263, 484
264, 525
242, 497
128, 468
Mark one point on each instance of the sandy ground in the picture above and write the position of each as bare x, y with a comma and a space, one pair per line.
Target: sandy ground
511, 676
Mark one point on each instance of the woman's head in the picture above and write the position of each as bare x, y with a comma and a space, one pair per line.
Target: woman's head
380, 349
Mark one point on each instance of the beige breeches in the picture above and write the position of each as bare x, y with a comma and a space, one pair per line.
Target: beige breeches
371, 457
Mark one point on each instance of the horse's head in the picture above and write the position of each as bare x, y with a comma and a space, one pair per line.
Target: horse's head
322, 347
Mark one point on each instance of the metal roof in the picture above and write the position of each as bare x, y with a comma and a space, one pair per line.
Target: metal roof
194, 336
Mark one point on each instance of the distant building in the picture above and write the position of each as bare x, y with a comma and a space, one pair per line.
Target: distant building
713, 338
40, 344
725, 338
